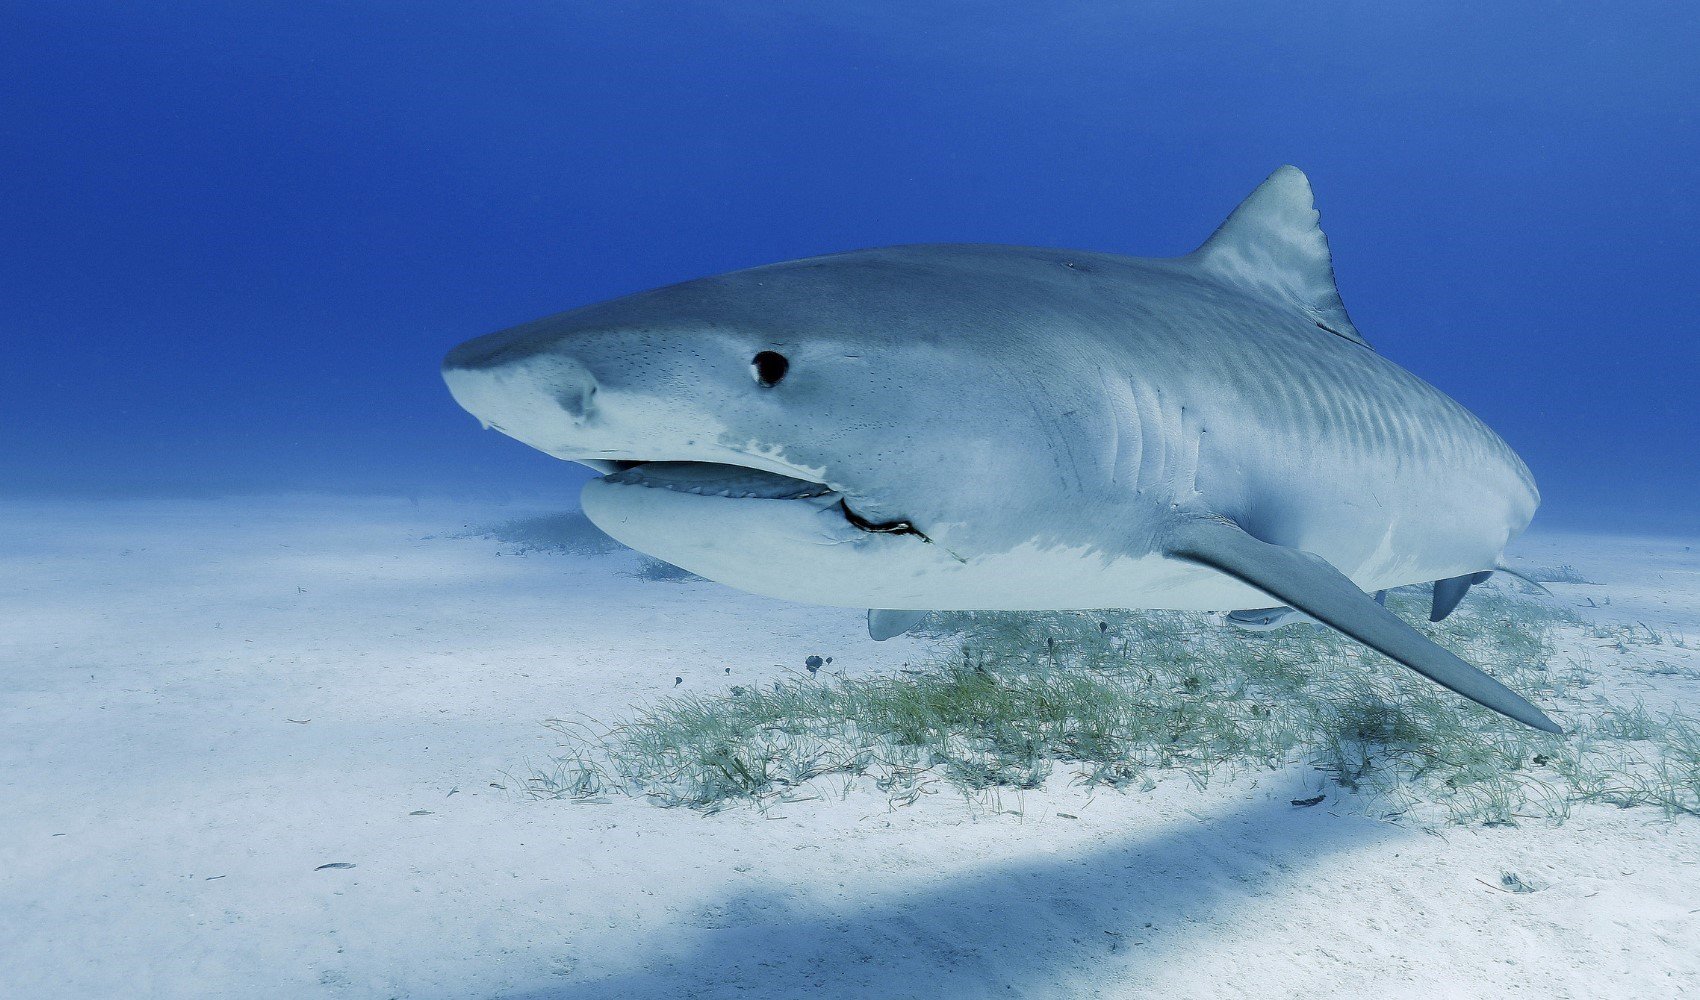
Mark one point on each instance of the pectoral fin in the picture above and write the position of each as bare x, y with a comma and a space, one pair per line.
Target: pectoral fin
1308, 583
882, 625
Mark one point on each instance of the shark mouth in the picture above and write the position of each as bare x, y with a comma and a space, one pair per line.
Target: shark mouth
736, 482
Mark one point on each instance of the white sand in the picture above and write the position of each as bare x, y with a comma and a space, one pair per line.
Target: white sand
162, 816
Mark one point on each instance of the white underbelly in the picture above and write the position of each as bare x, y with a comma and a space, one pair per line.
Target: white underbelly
806, 551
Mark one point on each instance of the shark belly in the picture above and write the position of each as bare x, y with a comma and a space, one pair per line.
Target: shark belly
804, 550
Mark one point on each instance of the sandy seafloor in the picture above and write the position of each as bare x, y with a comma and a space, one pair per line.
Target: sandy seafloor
162, 815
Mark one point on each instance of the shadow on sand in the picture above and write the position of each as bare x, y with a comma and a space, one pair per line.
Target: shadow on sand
1057, 926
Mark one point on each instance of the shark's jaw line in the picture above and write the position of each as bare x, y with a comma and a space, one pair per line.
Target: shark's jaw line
741, 482
737, 482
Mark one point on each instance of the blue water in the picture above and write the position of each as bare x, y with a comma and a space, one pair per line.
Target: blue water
235, 238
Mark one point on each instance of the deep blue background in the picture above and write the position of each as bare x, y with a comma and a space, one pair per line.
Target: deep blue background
236, 237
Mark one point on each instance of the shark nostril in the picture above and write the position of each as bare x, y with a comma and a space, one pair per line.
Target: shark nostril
578, 397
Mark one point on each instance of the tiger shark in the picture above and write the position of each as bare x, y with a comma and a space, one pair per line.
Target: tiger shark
966, 426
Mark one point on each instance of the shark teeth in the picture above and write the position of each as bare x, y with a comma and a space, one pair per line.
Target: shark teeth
712, 479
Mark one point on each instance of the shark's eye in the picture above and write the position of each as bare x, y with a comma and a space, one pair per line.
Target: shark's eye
769, 367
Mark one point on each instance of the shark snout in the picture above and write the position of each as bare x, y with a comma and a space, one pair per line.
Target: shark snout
535, 398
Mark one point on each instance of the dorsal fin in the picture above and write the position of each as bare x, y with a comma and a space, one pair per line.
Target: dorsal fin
1272, 243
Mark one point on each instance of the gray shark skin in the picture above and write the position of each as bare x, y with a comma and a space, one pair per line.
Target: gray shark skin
1011, 428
